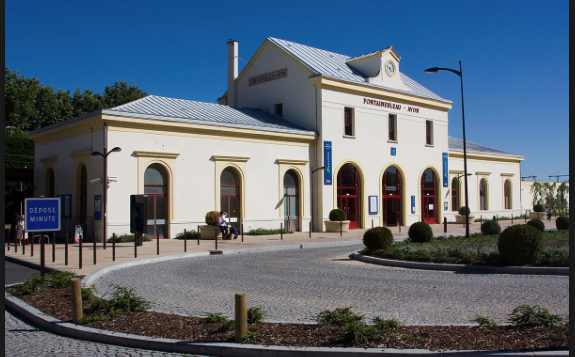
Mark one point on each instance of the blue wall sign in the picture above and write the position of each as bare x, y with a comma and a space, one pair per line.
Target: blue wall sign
373, 204
327, 174
412, 204
42, 214
445, 206
445, 170
393, 151
97, 207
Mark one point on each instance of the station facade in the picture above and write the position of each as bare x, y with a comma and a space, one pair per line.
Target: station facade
299, 132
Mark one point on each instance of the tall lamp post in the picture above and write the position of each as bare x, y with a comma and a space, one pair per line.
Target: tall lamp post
105, 182
460, 74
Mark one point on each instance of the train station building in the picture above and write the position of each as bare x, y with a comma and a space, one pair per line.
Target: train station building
299, 132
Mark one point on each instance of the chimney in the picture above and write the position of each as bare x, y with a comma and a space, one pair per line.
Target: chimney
232, 72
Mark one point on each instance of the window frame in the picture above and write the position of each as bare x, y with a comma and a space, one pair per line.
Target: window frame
392, 121
455, 197
279, 110
348, 122
429, 133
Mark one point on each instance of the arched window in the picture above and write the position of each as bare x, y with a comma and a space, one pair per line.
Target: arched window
291, 200
429, 197
483, 195
507, 194
349, 194
50, 184
230, 195
156, 188
391, 200
455, 194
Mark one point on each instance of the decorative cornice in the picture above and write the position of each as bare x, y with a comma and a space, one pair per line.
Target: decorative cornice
48, 160
157, 154
507, 174
456, 172
483, 173
230, 158
81, 153
292, 162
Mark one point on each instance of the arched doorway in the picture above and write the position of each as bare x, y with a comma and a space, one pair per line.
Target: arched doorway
429, 197
291, 201
156, 188
391, 200
455, 194
230, 195
50, 184
349, 194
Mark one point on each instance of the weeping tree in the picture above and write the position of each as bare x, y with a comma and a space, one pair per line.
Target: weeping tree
554, 197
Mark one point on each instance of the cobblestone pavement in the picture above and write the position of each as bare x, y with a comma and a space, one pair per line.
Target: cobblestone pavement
295, 285
23, 339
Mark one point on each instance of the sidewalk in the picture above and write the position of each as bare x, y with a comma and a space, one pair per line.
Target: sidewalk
125, 251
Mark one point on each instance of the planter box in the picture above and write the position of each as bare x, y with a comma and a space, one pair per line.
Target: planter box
539, 215
461, 219
334, 226
210, 232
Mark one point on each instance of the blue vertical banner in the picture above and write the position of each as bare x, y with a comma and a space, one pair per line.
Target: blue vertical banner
327, 174
445, 170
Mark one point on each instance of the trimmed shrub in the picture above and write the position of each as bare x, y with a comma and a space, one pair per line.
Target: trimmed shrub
378, 238
189, 235
337, 215
420, 232
562, 223
520, 244
128, 238
537, 223
464, 210
490, 227
538, 208
212, 218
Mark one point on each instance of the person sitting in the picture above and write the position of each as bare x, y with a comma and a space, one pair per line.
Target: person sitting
234, 230
223, 224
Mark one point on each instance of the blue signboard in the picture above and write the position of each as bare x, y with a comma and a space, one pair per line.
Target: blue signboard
373, 204
42, 214
98, 207
445, 170
445, 206
412, 204
393, 151
327, 174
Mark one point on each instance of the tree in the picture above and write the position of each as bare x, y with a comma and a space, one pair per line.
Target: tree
121, 93
561, 197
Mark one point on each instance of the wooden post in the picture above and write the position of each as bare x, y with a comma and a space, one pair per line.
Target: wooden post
66, 250
53, 247
185, 240
113, 247
241, 317
76, 300
42, 256
94, 248
80, 250
281, 231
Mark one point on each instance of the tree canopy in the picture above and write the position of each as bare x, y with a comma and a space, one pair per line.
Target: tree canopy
31, 105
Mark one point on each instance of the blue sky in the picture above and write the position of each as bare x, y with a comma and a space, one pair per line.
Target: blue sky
515, 54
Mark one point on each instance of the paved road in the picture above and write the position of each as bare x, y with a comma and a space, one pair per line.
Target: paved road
21, 338
295, 285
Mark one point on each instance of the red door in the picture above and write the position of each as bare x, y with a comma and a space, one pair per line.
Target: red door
428, 194
349, 205
429, 209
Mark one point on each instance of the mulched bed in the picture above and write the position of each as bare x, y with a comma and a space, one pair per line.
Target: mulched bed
56, 302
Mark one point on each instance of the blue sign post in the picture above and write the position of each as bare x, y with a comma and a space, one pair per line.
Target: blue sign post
42, 214
445, 170
327, 175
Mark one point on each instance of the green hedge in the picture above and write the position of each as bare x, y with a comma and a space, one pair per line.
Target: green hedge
520, 244
420, 232
127, 238
378, 238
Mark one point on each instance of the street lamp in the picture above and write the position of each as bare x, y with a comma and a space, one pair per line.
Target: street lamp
105, 156
460, 74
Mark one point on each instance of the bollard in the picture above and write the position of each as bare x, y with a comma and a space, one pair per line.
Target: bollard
511, 218
372, 223
444, 224
136, 244
525, 216
340, 228
76, 300
7, 237
310, 229
23, 245
113, 247
157, 244
281, 231
53, 247
481, 222
198, 235
241, 317
94, 248
185, 240
242, 232
42, 256
31, 240
15, 243
80, 250
66, 250
399, 224
216, 237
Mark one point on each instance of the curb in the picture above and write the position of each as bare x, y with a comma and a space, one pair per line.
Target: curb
53, 325
29, 264
463, 267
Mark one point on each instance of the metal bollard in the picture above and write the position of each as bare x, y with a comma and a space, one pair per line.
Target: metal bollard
198, 236
310, 229
23, 246
113, 247
157, 244
15, 243
444, 224
136, 244
481, 222
80, 251
185, 240
242, 232
94, 248
281, 231
53, 247
216, 237
372, 223
7, 237
340, 228
66, 250
31, 240
42, 256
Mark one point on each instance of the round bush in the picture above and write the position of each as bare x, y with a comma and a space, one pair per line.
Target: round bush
464, 210
490, 227
337, 215
562, 223
378, 238
420, 232
519, 244
212, 218
538, 208
537, 223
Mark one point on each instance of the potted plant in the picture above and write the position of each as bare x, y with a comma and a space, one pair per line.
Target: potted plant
539, 212
336, 221
463, 211
211, 230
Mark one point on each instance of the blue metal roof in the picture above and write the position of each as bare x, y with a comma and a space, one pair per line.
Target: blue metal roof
334, 65
456, 144
157, 107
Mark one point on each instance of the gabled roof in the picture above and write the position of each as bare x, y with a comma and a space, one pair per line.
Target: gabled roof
456, 144
333, 65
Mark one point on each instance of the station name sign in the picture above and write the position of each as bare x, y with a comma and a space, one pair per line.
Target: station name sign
384, 104
270, 76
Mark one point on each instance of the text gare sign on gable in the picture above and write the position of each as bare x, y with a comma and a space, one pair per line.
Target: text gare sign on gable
42, 214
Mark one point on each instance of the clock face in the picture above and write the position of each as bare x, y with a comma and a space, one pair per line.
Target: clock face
390, 68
